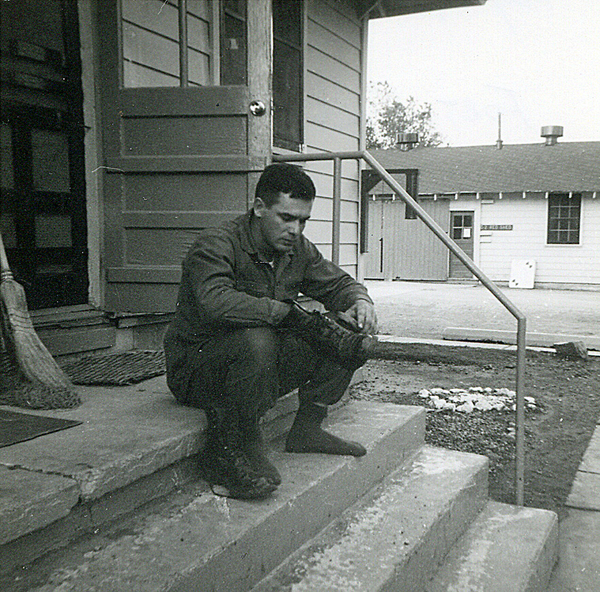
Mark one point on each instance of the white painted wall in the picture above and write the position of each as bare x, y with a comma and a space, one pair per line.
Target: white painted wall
556, 264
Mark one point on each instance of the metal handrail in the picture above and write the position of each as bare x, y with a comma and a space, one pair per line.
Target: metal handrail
363, 155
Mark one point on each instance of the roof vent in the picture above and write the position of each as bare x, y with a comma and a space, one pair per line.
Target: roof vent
407, 140
499, 142
552, 133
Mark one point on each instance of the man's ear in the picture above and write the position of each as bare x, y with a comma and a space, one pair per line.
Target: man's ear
258, 207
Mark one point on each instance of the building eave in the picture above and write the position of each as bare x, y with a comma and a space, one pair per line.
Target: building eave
373, 9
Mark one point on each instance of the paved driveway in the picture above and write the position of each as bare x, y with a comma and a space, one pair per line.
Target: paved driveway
424, 309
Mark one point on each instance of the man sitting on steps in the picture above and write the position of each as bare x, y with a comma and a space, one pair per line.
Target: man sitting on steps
239, 340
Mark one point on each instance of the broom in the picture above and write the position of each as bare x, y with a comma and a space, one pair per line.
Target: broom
32, 358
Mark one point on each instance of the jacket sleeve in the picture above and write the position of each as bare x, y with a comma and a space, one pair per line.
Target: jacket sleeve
209, 271
329, 284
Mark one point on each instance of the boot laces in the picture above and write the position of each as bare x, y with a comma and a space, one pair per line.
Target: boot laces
347, 343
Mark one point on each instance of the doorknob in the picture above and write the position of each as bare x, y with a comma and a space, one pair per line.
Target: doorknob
257, 108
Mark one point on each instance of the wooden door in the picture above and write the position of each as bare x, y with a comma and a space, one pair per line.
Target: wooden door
461, 230
414, 252
42, 189
187, 130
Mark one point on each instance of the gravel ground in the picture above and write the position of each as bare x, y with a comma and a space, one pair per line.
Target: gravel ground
564, 404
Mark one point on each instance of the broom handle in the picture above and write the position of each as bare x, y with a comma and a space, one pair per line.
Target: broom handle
5, 272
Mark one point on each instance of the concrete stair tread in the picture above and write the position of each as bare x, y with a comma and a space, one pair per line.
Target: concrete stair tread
506, 549
194, 547
135, 444
396, 537
32, 500
127, 434
124, 434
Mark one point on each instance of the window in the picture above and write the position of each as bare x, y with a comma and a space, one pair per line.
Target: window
233, 42
564, 216
462, 226
204, 45
287, 74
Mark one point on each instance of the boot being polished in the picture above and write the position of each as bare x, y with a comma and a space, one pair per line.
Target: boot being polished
225, 463
331, 335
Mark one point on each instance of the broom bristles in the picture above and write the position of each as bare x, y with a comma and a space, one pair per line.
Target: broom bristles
32, 357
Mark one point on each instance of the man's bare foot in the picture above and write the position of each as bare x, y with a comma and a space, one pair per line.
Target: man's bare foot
315, 439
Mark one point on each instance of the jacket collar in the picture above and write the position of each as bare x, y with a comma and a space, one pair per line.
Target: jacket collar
245, 235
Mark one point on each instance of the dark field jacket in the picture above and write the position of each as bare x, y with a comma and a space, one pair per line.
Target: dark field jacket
225, 285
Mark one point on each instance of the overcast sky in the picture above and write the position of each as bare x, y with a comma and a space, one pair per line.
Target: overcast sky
535, 61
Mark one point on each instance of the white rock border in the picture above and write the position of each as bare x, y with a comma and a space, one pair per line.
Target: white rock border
474, 398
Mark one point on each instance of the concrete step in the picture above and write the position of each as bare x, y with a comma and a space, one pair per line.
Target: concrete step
214, 543
135, 444
74, 329
510, 337
396, 537
506, 549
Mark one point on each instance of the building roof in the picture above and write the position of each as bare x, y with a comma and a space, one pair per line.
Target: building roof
565, 166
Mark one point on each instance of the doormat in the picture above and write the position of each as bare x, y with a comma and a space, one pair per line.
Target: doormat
118, 369
18, 427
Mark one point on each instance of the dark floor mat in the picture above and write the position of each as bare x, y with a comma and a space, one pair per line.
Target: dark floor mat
118, 369
18, 427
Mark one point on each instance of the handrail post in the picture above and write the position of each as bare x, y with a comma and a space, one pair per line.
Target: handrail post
337, 158
520, 412
183, 44
337, 210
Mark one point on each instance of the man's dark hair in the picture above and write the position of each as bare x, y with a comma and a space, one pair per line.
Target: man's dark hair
284, 178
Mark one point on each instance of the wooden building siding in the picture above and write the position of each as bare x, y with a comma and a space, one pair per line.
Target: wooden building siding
333, 82
555, 264
323, 90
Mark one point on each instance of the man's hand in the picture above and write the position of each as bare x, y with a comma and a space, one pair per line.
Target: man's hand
363, 314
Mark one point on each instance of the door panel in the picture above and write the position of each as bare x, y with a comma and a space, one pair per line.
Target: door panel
461, 230
417, 254
179, 158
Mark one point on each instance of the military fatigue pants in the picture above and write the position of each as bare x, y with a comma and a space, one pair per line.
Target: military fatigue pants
249, 369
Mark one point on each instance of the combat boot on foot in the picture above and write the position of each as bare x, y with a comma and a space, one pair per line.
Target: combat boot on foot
255, 448
224, 462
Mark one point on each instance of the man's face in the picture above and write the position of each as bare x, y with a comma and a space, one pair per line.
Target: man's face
282, 224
